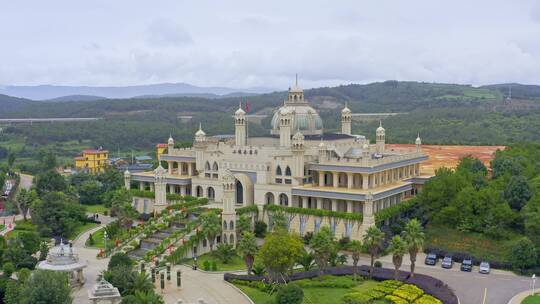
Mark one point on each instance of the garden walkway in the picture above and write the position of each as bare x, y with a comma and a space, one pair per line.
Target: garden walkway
201, 285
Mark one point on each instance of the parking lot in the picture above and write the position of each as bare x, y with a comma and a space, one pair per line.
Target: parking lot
499, 286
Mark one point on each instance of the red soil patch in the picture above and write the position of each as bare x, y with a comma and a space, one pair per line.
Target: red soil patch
449, 156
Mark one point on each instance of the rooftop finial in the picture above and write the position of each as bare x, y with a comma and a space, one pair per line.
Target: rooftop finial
200, 125
296, 79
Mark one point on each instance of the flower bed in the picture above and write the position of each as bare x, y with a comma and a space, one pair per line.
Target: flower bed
429, 285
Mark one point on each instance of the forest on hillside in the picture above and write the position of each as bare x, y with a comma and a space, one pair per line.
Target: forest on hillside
441, 113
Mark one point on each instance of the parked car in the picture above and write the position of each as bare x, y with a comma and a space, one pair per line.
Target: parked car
431, 259
484, 268
447, 262
467, 265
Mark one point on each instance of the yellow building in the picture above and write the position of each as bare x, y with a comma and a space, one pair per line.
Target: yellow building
160, 149
92, 161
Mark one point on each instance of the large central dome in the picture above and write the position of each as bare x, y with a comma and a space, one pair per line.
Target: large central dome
303, 117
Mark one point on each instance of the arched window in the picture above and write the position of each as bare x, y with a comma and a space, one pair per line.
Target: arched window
283, 199
225, 238
211, 193
231, 225
215, 166
231, 239
224, 225
199, 191
278, 170
207, 166
239, 193
269, 198
288, 171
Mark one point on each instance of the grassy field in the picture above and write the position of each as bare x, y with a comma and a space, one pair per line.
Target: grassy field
475, 244
81, 229
97, 236
20, 226
100, 209
236, 263
314, 295
532, 299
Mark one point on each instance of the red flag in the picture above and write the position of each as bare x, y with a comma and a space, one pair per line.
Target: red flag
247, 105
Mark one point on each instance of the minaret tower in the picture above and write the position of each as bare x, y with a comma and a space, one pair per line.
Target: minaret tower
284, 127
381, 138
127, 179
170, 144
298, 150
160, 186
346, 120
418, 143
200, 146
229, 214
240, 126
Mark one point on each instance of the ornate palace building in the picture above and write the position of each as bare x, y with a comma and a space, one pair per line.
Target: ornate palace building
297, 165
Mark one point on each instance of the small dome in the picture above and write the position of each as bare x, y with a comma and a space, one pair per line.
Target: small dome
354, 152
127, 173
200, 133
239, 112
170, 141
298, 136
380, 129
365, 147
322, 145
346, 110
418, 140
159, 170
304, 119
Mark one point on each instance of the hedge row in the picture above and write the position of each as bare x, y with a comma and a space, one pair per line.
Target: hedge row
392, 211
142, 193
188, 204
316, 212
428, 284
247, 209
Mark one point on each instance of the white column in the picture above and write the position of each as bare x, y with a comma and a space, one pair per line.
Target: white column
321, 178
335, 179
365, 181
334, 205
319, 202
172, 189
349, 206
350, 180
182, 190
141, 186
170, 166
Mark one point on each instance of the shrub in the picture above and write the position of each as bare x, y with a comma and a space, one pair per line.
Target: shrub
408, 292
8, 269
206, 265
396, 300
213, 265
427, 299
357, 298
290, 294
224, 252
91, 241
307, 237
344, 242
378, 264
260, 229
258, 270
119, 259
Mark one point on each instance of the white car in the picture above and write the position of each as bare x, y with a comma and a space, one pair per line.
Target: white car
484, 268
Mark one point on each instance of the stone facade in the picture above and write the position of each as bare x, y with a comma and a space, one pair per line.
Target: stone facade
296, 166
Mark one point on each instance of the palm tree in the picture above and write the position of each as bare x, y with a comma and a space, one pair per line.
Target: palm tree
398, 248
373, 241
140, 297
210, 227
247, 247
141, 282
414, 237
356, 248
323, 245
306, 260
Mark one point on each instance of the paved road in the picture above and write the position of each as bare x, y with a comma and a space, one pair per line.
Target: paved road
26, 181
470, 286
95, 265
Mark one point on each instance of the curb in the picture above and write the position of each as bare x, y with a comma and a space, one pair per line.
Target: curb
521, 296
240, 291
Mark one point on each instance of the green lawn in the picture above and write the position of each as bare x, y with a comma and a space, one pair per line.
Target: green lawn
21, 225
475, 244
100, 209
532, 299
99, 242
82, 228
312, 295
236, 263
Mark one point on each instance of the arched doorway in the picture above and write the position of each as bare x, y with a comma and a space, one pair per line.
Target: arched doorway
199, 191
283, 199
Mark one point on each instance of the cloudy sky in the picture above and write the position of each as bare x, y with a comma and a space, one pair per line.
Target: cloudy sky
264, 43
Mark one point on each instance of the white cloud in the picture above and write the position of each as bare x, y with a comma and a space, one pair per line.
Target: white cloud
246, 43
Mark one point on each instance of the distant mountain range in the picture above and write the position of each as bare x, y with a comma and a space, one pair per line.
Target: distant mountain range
55, 93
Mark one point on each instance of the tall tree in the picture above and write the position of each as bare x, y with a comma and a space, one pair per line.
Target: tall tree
373, 241
414, 237
247, 247
243, 225
323, 245
517, 192
57, 214
280, 252
24, 201
355, 247
47, 287
398, 248
210, 227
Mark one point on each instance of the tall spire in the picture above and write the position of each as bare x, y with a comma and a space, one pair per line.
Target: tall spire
296, 79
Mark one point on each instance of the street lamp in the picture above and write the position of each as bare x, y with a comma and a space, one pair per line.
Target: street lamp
533, 281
